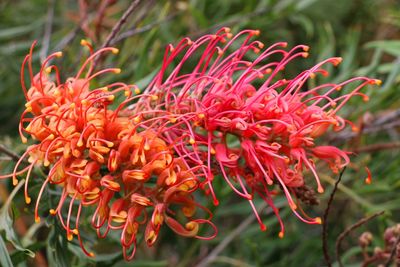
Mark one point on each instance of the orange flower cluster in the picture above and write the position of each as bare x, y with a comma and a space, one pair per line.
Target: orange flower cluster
103, 158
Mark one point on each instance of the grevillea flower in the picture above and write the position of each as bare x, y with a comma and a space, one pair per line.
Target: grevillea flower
224, 111
227, 105
104, 160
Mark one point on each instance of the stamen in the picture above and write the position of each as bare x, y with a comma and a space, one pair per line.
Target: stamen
27, 198
37, 218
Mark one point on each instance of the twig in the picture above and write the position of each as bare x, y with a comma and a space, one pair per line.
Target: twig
346, 232
392, 253
100, 13
120, 23
135, 31
382, 122
67, 39
47, 31
117, 27
228, 239
392, 115
325, 221
370, 260
9, 153
377, 147
141, 14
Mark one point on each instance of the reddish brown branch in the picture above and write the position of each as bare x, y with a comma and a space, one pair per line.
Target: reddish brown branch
378, 123
377, 147
325, 220
9, 153
121, 22
148, 27
117, 27
47, 31
348, 230
393, 252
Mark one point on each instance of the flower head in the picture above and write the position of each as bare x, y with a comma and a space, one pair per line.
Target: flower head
234, 110
103, 160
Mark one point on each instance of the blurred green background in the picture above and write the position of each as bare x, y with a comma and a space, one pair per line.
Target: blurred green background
366, 33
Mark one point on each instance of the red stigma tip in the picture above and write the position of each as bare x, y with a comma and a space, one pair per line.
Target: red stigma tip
215, 202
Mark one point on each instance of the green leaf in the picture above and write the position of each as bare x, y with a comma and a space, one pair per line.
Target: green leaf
391, 79
6, 223
5, 259
11, 48
57, 252
18, 257
391, 47
306, 23
77, 250
301, 5
198, 16
10, 33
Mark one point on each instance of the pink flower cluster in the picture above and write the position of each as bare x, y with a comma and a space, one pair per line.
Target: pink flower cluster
237, 114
